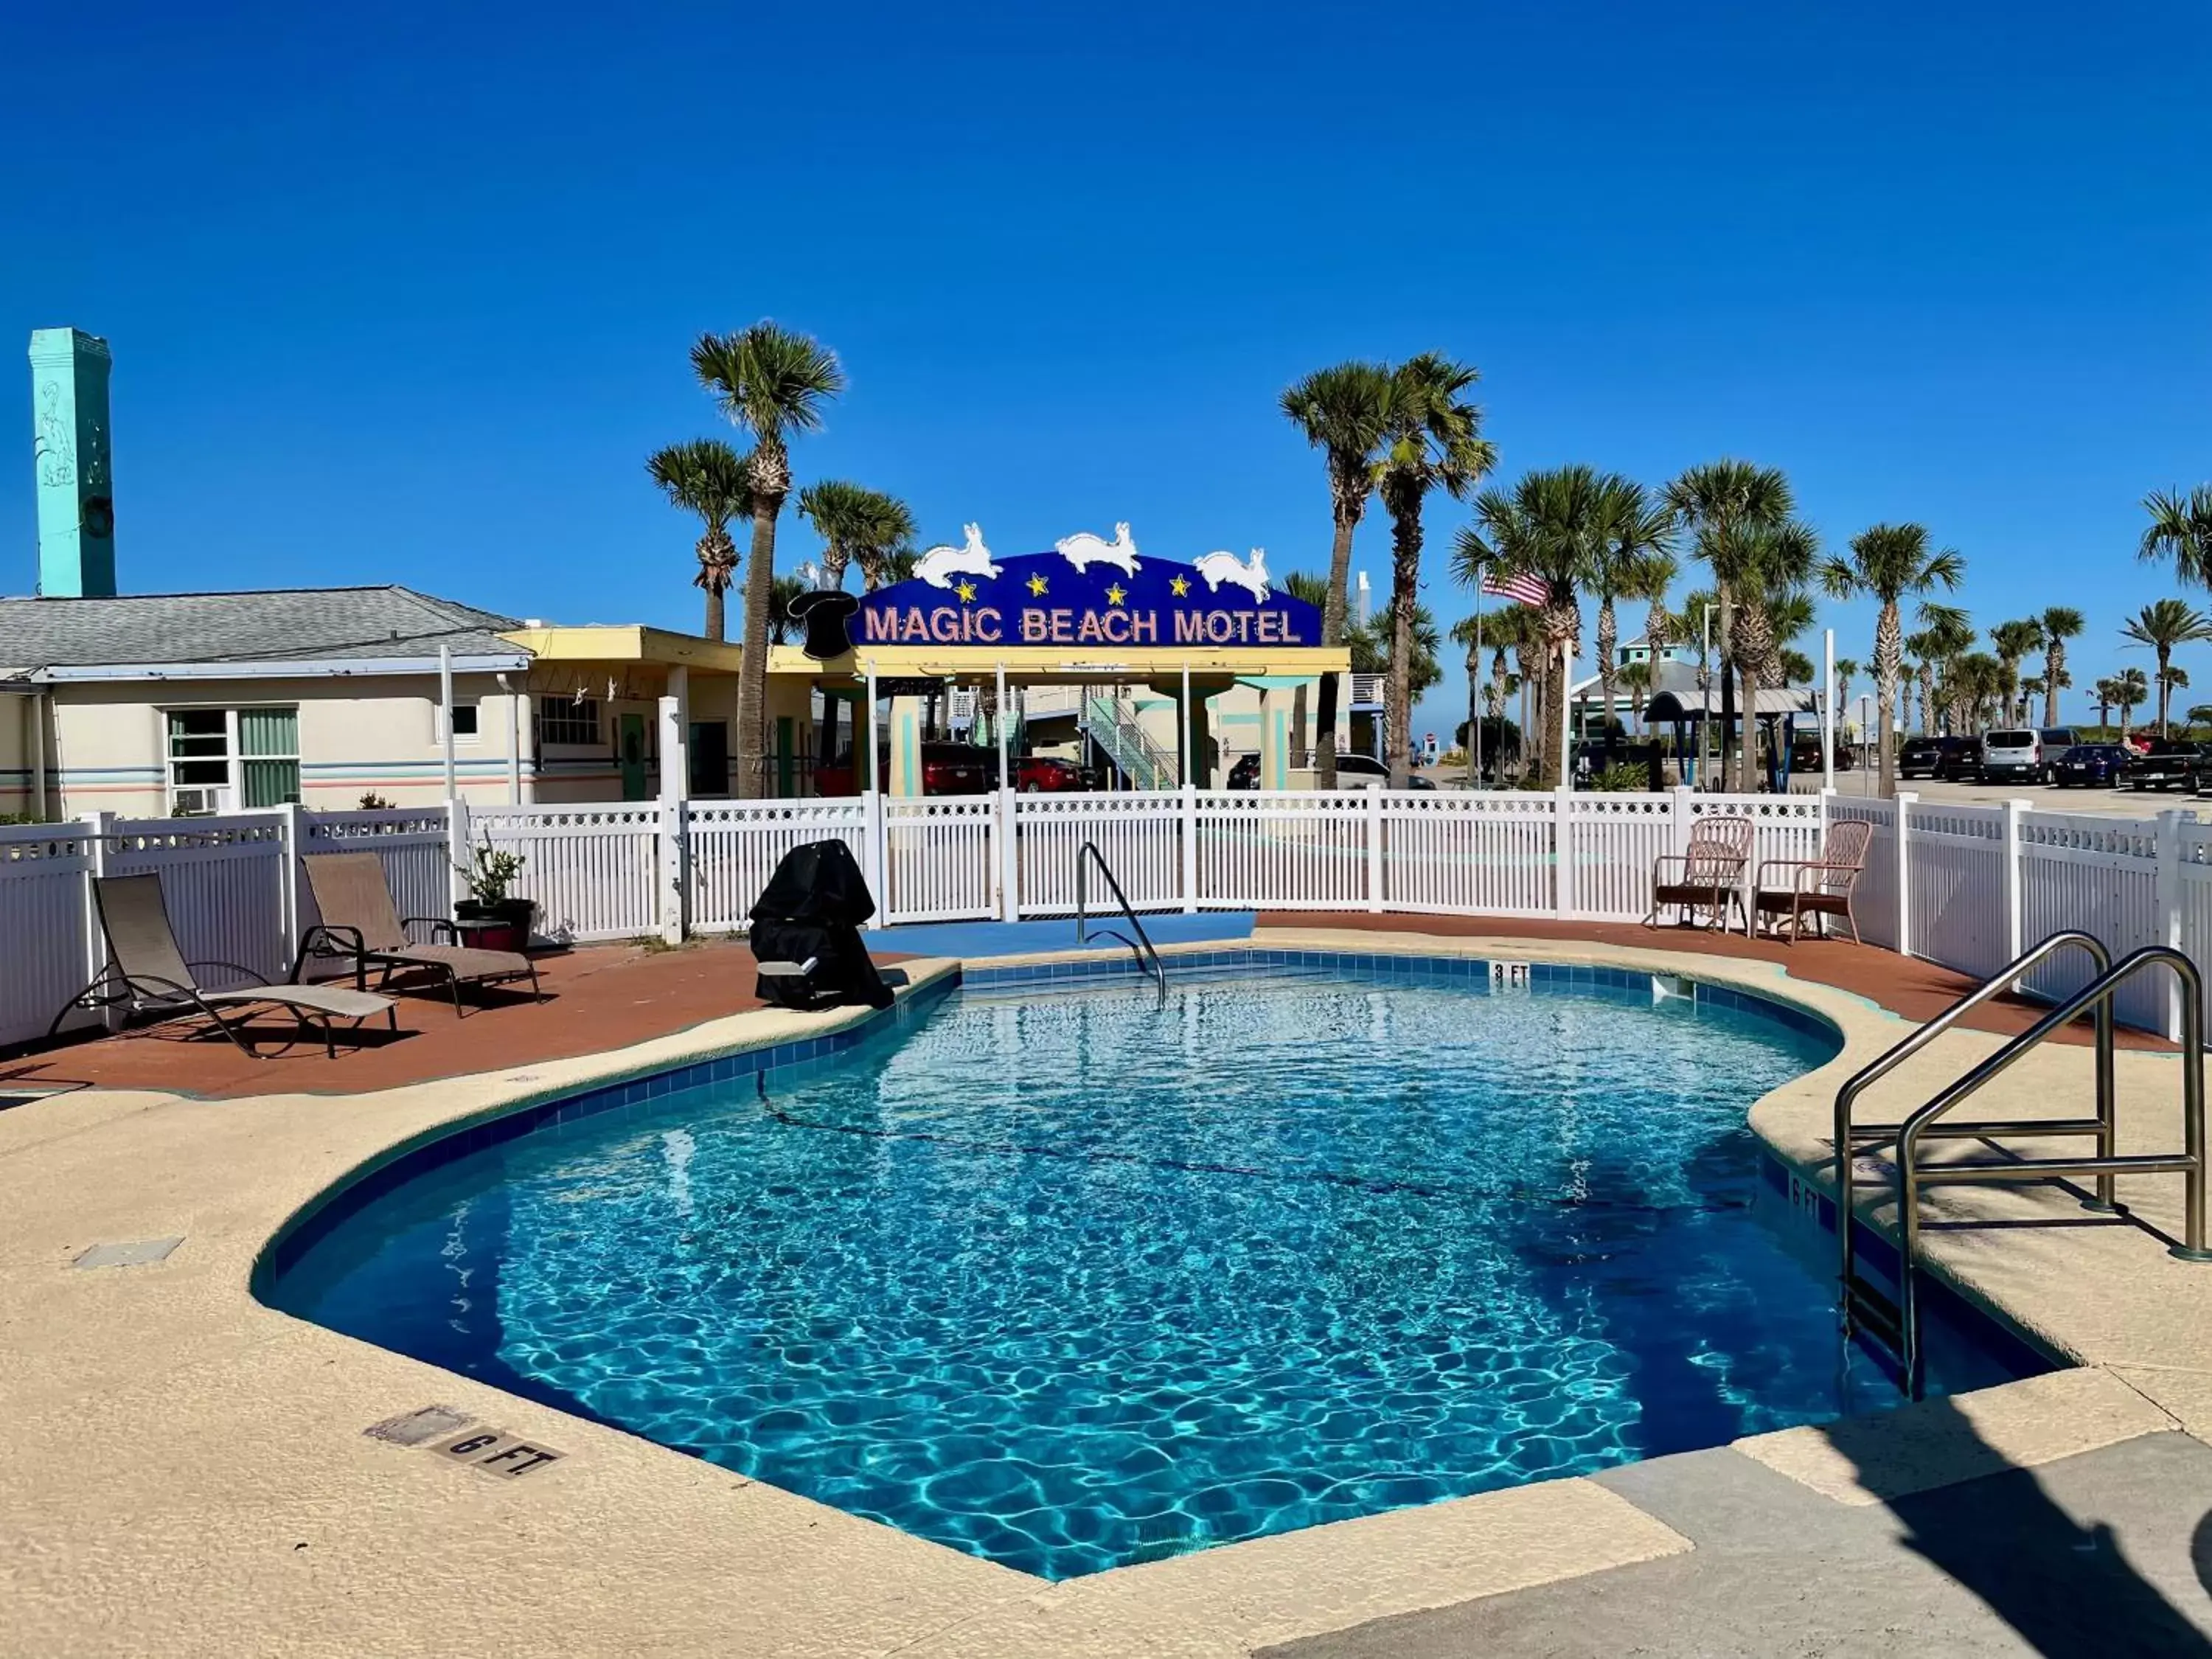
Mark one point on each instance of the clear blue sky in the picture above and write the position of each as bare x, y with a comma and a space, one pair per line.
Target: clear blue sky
404, 294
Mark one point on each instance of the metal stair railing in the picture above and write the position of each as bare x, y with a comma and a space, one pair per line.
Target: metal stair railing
1114, 724
1148, 958
1898, 1327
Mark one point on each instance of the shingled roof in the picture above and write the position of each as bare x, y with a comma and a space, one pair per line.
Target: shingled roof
275, 626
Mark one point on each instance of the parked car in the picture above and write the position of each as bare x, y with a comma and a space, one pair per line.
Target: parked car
2165, 763
1352, 772
1961, 762
2012, 755
1923, 757
947, 768
2091, 766
1048, 775
1805, 754
956, 769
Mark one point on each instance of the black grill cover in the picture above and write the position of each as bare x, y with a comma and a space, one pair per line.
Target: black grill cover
811, 910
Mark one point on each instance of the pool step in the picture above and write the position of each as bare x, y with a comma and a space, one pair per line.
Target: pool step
1870, 1311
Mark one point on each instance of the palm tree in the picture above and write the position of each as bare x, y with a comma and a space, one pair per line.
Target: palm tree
2161, 625
785, 625
1313, 590
1343, 411
2171, 679
857, 526
1772, 565
1725, 503
2060, 624
1432, 440
1887, 562
1976, 680
2106, 692
1501, 631
2013, 641
707, 478
1846, 668
1637, 679
772, 382
1546, 528
2200, 713
1654, 580
2180, 529
2129, 688
1634, 530
1944, 636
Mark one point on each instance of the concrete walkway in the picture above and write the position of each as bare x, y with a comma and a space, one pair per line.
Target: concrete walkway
2104, 1553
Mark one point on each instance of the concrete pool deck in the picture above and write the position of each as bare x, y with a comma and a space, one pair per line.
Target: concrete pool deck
188, 1471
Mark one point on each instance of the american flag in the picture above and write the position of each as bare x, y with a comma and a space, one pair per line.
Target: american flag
1513, 585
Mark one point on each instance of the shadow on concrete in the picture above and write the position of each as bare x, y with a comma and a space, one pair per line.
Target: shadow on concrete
2063, 1588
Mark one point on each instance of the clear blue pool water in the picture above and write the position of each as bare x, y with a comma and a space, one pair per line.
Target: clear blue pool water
1068, 1281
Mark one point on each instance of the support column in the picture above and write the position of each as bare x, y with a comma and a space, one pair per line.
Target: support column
1906, 802
676, 736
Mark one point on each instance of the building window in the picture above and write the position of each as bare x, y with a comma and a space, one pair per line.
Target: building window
465, 721
566, 719
221, 759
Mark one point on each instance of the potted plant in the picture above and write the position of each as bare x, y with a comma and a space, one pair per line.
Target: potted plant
500, 923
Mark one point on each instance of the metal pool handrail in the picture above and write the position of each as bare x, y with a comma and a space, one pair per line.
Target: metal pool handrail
1849, 1140
1148, 958
2189, 1162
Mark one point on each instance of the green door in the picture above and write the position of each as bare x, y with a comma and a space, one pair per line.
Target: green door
630, 751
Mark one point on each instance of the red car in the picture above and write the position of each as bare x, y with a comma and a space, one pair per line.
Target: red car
1047, 775
947, 768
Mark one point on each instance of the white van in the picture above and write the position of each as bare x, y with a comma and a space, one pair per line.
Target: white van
2013, 755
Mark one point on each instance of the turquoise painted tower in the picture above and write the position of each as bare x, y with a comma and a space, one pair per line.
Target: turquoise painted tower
70, 453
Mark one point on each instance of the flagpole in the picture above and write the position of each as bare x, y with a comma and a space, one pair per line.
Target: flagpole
1475, 673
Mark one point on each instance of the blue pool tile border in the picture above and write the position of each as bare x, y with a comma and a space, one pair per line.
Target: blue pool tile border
801, 1058
1879, 1259
1570, 977
782, 1063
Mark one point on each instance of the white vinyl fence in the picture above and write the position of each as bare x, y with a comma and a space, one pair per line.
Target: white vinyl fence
1964, 886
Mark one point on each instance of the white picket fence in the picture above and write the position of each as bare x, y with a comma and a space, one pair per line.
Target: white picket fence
1965, 886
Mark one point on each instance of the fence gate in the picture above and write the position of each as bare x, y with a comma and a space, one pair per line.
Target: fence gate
940, 858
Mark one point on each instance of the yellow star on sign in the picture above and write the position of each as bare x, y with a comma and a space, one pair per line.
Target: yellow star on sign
1179, 585
1115, 593
1036, 587
966, 591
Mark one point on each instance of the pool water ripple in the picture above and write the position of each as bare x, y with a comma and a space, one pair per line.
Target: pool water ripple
1071, 1281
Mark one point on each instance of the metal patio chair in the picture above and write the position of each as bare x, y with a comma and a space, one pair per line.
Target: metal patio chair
1708, 876
146, 974
362, 925
1817, 888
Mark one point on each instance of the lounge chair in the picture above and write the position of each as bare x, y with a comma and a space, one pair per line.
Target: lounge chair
1710, 873
1817, 888
146, 974
362, 925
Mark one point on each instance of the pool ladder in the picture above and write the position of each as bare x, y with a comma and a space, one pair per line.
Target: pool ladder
1895, 1325
1148, 959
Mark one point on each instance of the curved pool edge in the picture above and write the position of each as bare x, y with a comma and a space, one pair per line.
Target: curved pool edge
258, 1416
755, 1040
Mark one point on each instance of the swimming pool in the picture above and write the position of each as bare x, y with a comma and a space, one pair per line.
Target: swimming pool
1067, 1280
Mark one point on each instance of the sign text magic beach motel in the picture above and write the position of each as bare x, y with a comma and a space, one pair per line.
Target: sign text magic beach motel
1088, 592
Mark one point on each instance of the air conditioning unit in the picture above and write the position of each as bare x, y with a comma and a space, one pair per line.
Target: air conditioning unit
205, 802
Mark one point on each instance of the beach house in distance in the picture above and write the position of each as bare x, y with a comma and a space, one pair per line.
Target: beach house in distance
1152, 670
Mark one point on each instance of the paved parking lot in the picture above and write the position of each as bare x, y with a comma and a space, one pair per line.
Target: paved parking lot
2112, 803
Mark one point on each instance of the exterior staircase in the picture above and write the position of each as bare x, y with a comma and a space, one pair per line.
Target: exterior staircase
1112, 723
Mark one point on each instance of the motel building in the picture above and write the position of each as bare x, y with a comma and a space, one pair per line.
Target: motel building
1150, 671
